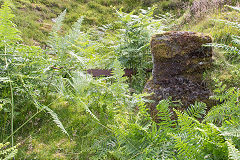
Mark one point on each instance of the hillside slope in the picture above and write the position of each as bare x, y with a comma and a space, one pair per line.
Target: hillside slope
35, 17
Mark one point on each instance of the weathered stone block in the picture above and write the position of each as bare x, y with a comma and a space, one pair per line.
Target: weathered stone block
179, 60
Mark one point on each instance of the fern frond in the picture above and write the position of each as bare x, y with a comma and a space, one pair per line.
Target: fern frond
118, 71
7, 153
119, 87
59, 22
217, 113
75, 32
164, 113
231, 132
222, 94
233, 24
55, 41
185, 121
236, 39
53, 114
56, 119
8, 32
227, 48
184, 148
228, 108
234, 8
80, 82
88, 110
4, 79
233, 153
197, 110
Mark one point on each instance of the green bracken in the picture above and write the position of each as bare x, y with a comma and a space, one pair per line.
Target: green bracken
50, 108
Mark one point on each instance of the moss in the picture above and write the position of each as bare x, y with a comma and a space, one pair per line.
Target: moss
170, 44
179, 62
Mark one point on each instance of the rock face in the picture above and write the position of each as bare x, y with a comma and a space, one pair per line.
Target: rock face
179, 60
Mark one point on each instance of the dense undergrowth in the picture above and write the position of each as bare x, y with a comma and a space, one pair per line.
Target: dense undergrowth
52, 109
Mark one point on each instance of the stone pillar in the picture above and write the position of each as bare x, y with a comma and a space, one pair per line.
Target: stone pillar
179, 60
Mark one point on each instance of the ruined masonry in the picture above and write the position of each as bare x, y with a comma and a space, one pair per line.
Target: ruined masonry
179, 60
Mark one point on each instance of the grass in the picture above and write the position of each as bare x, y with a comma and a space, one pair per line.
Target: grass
35, 17
221, 33
50, 143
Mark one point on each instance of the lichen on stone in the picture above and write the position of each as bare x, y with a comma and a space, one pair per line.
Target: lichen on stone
170, 44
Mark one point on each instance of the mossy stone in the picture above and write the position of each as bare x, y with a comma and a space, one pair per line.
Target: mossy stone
179, 61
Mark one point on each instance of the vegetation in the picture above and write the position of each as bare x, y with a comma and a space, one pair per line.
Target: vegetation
36, 17
50, 108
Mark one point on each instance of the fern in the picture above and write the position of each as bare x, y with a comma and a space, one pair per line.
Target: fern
7, 153
133, 46
56, 120
233, 153
75, 32
108, 102
236, 40
8, 32
233, 24
197, 140
59, 22
118, 73
9, 36
69, 49
55, 41
233, 49
185, 121
165, 114
228, 109
234, 8
51, 112
198, 110
184, 148
184, 141
231, 132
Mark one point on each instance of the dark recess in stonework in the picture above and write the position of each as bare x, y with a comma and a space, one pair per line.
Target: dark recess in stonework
108, 72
